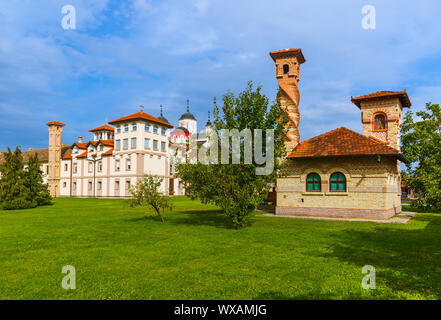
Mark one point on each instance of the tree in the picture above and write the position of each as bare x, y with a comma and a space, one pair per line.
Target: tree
421, 145
14, 193
39, 192
145, 193
236, 188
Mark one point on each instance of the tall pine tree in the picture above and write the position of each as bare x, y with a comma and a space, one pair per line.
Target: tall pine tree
34, 182
14, 193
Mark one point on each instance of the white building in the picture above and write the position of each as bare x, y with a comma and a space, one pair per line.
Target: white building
118, 156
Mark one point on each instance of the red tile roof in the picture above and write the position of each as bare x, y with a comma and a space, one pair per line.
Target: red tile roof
141, 116
343, 142
55, 122
108, 143
108, 152
68, 155
83, 155
103, 128
288, 52
402, 95
81, 145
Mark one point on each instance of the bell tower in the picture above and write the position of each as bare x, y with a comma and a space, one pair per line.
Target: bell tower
54, 155
382, 115
288, 63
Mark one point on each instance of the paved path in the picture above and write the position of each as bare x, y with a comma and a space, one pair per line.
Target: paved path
402, 218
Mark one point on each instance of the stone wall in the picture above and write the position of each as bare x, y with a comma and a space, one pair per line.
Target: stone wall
373, 189
393, 109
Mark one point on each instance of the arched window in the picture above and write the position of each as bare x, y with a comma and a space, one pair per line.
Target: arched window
337, 182
380, 122
313, 182
285, 69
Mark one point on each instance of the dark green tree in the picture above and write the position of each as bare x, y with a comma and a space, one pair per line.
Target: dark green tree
14, 193
146, 194
39, 191
236, 188
421, 145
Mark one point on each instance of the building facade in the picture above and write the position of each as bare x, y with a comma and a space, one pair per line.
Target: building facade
341, 173
119, 154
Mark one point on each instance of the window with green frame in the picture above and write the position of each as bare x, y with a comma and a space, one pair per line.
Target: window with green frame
337, 182
313, 182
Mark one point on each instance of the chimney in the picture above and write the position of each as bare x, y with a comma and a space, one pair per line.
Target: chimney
80, 139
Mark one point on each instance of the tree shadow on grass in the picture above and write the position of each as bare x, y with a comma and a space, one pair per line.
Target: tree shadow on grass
405, 259
274, 295
146, 218
213, 218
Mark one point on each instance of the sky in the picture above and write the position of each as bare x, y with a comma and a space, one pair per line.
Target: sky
126, 53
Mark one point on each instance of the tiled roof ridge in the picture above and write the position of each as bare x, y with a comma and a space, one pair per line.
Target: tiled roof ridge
141, 115
342, 142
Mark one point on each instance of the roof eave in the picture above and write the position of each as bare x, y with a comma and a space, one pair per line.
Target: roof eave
398, 155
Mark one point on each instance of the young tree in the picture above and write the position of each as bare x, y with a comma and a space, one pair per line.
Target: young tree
421, 145
145, 193
39, 192
14, 193
236, 188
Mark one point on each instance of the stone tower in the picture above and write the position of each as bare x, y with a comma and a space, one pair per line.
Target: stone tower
288, 63
382, 115
54, 154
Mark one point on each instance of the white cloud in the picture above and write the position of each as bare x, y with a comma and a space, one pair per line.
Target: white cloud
163, 52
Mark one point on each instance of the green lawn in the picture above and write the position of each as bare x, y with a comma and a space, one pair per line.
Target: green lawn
122, 253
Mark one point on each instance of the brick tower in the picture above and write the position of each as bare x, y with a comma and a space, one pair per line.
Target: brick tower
54, 154
288, 63
382, 115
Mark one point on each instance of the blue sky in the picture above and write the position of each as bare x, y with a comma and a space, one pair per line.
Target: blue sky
127, 53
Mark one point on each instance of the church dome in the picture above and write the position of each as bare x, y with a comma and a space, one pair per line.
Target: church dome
187, 115
161, 117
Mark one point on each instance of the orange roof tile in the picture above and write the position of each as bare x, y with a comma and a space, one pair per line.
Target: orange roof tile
402, 95
343, 142
68, 155
81, 145
103, 128
108, 143
141, 116
55, 122
288, 52
108, 152
83, 155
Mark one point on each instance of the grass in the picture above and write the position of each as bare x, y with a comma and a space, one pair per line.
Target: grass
123, 253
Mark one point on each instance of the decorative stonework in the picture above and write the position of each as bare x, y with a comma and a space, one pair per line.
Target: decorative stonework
393, 110
288, 75
380, 135
373, 188
54, 157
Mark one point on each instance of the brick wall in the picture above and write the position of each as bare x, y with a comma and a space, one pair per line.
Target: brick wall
372, 187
